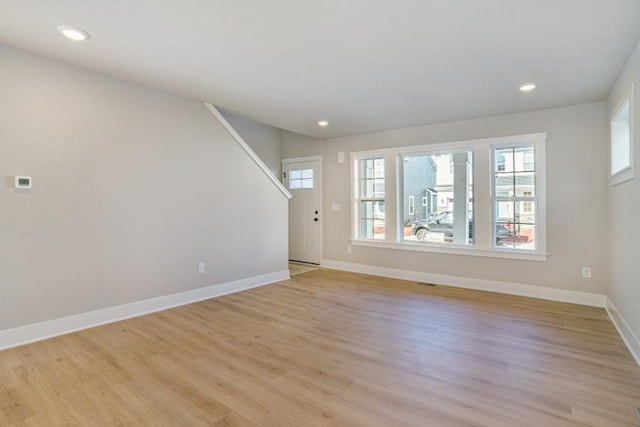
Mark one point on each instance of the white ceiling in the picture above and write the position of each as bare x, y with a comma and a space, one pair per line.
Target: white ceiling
363, 65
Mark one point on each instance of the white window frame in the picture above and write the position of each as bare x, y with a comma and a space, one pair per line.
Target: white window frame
483, 173
355, 193
627, 172
539, 196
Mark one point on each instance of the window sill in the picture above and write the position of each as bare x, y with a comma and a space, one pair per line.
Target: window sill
454, 250
621, 176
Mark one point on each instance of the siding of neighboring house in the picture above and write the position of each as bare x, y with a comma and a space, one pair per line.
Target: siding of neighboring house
419, 175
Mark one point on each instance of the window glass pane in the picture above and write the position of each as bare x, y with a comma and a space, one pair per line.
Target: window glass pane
372, 178
372, 220
525, 212
307, 173
366, 231
295, 175
430, 177
504, 160
505, 212
307, 183
295, 184
525, 184
527, 236
621, 139
525, 159
367, 168
505, 184
378, 165
366, 210
524, 237
378, 229
515, 198
367, 188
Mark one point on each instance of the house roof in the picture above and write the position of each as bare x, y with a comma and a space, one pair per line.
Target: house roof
363, 65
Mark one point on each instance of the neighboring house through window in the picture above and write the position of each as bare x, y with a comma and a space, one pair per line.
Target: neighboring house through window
444, 177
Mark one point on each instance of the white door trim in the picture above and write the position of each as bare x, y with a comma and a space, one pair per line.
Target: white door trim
322, 209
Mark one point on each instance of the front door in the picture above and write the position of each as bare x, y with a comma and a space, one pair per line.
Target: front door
303, 181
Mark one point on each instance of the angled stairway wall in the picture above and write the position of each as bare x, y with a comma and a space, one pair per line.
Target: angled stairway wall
132, 189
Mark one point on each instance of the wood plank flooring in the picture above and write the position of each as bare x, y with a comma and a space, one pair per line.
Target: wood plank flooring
330, 348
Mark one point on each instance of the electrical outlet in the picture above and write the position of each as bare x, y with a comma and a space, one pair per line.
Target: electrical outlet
348, 249
201, 268
586, 272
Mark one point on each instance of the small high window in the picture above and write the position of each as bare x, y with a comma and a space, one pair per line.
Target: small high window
622, 141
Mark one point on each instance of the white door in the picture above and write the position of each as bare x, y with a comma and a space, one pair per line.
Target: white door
302, 179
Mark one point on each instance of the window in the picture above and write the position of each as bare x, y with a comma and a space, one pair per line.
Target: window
514, 197
450, 221
301, 179
528, 160
510, 222
622, 142
371, 198
528, 206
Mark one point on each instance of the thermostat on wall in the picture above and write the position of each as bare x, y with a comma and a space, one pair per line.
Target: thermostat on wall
23, 183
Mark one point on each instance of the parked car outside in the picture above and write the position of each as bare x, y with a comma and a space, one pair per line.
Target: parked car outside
443, 222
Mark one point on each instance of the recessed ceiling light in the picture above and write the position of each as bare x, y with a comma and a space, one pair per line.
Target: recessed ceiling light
323, 123
72, 33
528, 87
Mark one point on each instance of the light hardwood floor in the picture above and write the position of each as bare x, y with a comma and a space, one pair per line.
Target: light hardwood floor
296, 268
331, 348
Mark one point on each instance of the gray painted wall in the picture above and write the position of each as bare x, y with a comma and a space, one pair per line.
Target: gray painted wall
130, 192
576, 199
624, 210
132, 188
263, 139
296, 145
273, 144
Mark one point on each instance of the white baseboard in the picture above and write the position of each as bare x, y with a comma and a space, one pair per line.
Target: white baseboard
629, 338
51, 328
552, 294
